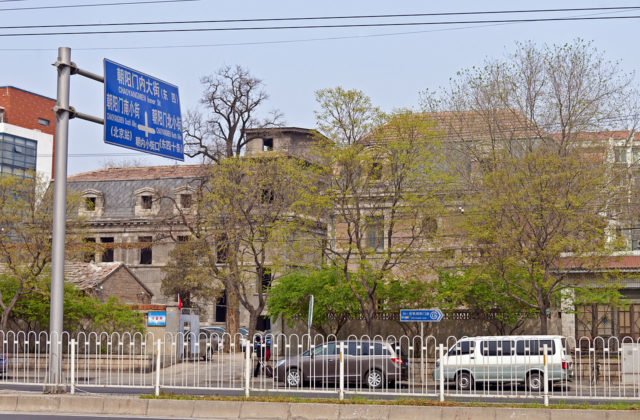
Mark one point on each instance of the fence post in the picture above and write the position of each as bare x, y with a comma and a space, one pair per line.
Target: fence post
247, 370
158, 368
545, 378
341, 371
441, 358
73, 365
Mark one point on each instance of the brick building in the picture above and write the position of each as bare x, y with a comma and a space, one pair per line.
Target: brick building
27, 131
104, 280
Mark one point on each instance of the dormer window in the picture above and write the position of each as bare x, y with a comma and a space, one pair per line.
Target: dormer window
184, 200
93, 204
147, 202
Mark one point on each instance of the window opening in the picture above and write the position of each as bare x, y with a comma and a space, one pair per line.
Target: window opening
146, 202
43, 121
185, 201
107, 254
375, 233
90, 253
90, 203
145, 252
267, 145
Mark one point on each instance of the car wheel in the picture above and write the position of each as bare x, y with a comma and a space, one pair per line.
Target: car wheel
293, 378
535, 382
375, 379
464, 381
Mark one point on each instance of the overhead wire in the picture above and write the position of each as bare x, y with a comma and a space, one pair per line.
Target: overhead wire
307, 18
71, 6
326, 26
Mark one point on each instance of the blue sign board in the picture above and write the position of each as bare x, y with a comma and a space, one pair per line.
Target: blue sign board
421, 315
141, 112
156, 319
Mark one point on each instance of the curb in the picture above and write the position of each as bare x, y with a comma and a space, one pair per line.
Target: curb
116, 405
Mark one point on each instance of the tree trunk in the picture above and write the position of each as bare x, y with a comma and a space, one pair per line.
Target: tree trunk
543, 321
233, 314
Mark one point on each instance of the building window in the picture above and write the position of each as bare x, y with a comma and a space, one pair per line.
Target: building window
267, 196
375, 233
222, 249
185, 201
267, 145
90, 203
17, 155
183, 238
266, 278
43, 121
89, 254
147, 201
621, 155
146, 255
107, 253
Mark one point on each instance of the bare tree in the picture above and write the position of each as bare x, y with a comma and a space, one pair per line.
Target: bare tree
232, 99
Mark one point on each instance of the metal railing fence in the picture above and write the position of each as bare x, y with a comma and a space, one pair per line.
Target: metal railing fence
537, 367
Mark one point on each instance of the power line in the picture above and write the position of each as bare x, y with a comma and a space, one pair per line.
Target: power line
353, 25
69, 6
288, 19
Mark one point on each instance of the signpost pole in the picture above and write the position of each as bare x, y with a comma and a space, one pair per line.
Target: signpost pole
59, 214
310, 319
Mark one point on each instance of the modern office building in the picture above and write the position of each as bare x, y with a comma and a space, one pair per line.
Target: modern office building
27, 132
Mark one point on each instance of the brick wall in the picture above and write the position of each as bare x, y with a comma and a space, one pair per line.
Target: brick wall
122, 285
23, 109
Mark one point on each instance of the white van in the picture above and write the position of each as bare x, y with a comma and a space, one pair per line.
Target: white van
506, 359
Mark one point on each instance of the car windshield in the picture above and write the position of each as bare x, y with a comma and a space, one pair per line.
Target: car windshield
244, 331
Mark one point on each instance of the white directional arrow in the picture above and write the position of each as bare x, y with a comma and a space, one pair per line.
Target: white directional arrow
147, 130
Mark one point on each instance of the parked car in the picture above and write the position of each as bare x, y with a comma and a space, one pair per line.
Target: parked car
505, 359
375, 363
3, 367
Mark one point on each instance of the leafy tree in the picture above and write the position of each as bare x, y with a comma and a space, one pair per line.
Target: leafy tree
384, 195
334, 303
81, 312
537, 187
484, 297
233, 99
245, 232
25, 235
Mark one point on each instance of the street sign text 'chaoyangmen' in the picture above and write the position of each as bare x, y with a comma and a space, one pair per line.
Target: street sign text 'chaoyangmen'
421, 315
141, 112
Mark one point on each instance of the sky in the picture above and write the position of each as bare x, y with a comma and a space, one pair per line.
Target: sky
391, 64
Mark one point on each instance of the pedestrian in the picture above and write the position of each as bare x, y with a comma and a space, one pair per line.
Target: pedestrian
262, 349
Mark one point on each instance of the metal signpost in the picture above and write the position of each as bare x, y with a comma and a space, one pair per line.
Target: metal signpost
310, 317
421, 316
144, 116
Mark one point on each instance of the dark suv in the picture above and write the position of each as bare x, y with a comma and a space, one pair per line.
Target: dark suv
375, 363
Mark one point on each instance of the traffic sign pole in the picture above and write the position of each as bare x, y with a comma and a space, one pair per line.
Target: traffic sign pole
63, 65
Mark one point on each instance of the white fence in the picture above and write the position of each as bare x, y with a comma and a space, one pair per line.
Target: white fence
493, 367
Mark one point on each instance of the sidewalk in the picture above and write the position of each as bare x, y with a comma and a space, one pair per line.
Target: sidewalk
23, 402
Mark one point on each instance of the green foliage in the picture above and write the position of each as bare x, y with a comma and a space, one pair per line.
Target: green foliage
483, 295
334, 302
81, 312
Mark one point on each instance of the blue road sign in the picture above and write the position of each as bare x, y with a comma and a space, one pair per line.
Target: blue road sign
141, 112
156, 319
421, 315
